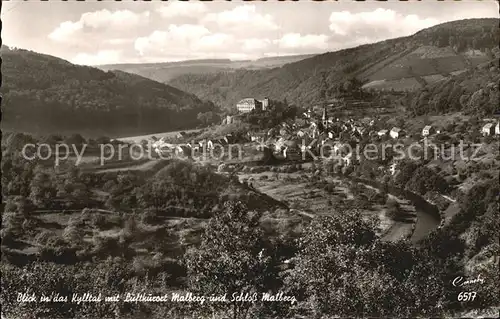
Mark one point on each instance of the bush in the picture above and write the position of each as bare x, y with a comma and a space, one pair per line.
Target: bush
73, 234
76, 221
44, 236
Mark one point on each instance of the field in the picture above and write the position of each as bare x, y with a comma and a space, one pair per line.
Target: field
431, 52
403, 84
426, 62
139, 138
433, 78
311, 199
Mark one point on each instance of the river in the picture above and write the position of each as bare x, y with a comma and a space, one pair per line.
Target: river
426, 223
428, 218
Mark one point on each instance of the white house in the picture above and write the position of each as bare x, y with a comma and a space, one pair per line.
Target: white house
206, 143
227, 120
347, 160
162, 147
382, 133
427, 130
488, 129
497, 128
248, 105
257, 137
280, 144
392, 168
396, 132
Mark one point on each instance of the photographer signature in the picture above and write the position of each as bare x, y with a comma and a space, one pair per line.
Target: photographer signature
462, 281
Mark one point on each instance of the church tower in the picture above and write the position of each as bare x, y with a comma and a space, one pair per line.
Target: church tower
325, 118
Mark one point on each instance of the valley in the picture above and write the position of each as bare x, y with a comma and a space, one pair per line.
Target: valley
164, 72
344, 179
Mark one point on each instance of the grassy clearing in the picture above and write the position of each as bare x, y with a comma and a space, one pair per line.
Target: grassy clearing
403, 84
137, 139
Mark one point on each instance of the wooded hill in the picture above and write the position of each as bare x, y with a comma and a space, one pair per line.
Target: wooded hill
402, 64
45, 94
472, 92
164, 72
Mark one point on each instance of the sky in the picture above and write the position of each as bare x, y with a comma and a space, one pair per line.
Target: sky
109, 32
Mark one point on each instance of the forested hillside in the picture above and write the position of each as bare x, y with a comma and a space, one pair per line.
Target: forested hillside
164, 72
44, 94
403, 64
474, 92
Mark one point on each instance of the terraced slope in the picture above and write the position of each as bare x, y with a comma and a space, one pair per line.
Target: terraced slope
400, 64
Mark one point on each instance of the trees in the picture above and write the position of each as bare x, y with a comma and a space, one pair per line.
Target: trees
90, 99
42, 189
231, 259
75, 139
424, 180
340, 270
474, 92
406, 169
103, 140
207, 118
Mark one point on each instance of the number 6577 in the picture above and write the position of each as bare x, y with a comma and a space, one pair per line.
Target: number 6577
467, 296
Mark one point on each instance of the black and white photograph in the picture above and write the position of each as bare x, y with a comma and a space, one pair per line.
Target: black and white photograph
250, 159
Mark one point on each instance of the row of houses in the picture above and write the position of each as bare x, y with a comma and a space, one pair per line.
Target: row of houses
488, 129
395, 133
161, 146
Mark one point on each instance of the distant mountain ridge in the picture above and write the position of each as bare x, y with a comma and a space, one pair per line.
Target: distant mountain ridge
166, 71
44, 94
401, 64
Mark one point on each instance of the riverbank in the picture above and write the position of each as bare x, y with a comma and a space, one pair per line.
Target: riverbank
422, 217
428, 214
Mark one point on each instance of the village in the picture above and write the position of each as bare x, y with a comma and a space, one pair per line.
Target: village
314, 132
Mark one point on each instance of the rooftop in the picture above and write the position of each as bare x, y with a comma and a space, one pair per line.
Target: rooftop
248, 100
